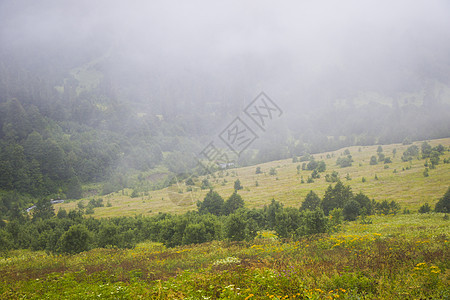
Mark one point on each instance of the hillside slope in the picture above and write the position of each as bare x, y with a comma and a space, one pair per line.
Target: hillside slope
401, 181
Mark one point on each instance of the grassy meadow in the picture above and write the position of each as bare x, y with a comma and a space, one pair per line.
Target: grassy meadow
403, 256
401, 181
394, 257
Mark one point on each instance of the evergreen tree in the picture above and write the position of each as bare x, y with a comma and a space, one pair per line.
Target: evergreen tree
271, 211
364, 202
336, 197
213, 204
426, 150
312, 201
233, 203
237, 185
351, 210
443, 205
235, 226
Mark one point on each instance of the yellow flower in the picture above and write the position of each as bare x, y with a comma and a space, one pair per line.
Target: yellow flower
420, 264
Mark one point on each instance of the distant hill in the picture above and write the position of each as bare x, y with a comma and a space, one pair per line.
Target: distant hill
402, 181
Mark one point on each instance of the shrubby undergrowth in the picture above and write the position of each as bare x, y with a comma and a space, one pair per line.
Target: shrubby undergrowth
216, 219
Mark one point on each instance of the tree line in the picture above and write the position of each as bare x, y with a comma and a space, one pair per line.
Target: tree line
215, 219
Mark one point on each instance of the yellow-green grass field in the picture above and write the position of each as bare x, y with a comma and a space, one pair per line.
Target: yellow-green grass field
407, 185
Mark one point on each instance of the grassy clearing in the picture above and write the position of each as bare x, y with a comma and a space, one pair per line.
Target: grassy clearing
407, 186
396, 257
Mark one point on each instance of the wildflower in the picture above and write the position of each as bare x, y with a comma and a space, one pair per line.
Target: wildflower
420, 264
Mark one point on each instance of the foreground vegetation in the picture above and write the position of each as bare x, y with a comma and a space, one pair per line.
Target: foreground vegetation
396, 257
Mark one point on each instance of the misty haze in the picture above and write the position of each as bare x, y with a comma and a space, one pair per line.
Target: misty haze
224, 150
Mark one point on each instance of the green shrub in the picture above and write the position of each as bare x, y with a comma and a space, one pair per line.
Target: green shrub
425, 208
77, 239
351, 210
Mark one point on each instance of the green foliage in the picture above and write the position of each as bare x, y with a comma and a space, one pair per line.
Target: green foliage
44, 210
195, 233
80, 205
336, 197
237, 185
406, 141
233, 203
333, 177
96, 202
273, 172
134, 194
258, 170
434, 158
443, 205
385, 207
351, 210
321, 167
426, 150
312, 165
379, 149
74, 190
425, 208
312, 201
238, 228
344, 162
205, 184
315, 174
315, 222
190, 181
410, 153
89, 210
306, 157
271, 211
336, 219
373, 160
213, 204
364, 203
77, 239
108, 235
5, 241
287, 221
